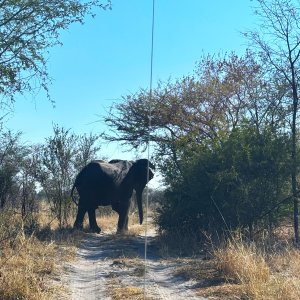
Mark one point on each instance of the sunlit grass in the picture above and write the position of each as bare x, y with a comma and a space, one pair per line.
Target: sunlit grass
126, 292
25, 268
30, 264
261, 275
108, 222
267, 269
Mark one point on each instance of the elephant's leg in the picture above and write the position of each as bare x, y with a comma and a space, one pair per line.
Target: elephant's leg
115, 206
92, 219
78, 224
123, 217
126, 224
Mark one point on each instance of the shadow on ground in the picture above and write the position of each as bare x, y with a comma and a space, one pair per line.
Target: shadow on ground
116, 246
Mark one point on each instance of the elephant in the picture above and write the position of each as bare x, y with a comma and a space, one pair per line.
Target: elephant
102, 183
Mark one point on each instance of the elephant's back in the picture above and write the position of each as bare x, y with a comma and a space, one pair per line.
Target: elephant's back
95, 181
96, 174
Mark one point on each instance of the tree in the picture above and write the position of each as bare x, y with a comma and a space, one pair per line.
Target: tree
10, 153
207, 105
219, 137
28, 29
27, 183
277, 41
87, 149
58, 161
17, 181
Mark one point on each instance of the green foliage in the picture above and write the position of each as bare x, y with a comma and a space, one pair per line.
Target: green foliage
59, 161
28, 29
51, 166
16, 182
229, 184
218, 139
276, 41
222, 92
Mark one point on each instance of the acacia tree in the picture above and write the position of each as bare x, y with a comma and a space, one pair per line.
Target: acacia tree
217, 134
205, 106
28, 29
278, 43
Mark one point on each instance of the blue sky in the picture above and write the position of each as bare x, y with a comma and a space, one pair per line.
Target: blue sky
109, 56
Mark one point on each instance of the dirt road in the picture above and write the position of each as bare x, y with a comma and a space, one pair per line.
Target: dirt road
108, 266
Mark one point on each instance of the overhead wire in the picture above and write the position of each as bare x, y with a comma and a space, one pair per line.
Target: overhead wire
148, 143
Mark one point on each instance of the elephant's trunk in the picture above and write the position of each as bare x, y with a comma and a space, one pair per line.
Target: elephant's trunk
139, 204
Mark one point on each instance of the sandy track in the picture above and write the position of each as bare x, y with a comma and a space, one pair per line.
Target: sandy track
107, 261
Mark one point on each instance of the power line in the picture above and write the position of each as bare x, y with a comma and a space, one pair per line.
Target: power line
149, 130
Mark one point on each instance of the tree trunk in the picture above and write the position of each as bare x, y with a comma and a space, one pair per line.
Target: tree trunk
294, 167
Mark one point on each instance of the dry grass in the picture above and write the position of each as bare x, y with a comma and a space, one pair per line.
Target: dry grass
261, 275
200, 270
212, 283
116, 288
29, 266
108, 222
243, 263
268, 269
118, 291
30, 262
226, 291
25, 268
135, 266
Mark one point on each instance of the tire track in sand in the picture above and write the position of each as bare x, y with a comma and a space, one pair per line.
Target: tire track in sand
101, 258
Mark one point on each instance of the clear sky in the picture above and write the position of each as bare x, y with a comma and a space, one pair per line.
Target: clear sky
109, 56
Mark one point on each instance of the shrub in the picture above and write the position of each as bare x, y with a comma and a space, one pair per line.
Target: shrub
229, 184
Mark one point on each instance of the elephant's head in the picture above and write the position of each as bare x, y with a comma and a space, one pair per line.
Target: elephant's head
139, 174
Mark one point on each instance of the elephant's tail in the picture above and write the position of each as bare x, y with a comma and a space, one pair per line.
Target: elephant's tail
72, 193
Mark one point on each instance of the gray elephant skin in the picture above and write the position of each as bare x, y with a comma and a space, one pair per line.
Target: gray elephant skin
102, 183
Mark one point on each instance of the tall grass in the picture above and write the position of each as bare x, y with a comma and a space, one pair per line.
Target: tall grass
29, 258
262, 275
235, 268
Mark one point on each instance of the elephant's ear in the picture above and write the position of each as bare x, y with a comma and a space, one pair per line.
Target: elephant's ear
141, 172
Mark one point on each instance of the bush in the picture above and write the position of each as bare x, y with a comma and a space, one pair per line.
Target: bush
229, 184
